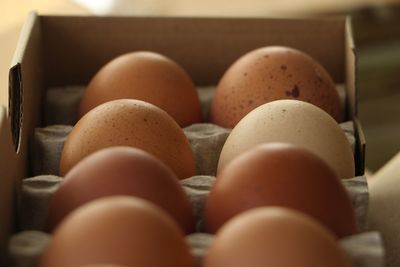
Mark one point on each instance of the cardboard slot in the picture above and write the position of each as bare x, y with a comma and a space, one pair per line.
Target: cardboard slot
360, 147
15, 104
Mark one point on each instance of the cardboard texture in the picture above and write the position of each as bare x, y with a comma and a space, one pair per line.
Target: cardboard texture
206, 46
65, 50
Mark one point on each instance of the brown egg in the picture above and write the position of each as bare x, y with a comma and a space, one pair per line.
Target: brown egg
277, 174
122, 171
275, 237
296, 122
128, 122
146, 76
271, 73
121, 230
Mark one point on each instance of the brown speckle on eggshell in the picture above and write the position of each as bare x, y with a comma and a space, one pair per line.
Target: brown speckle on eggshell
135, 123
272, 73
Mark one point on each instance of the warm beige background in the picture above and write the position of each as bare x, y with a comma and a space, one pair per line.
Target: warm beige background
12, 15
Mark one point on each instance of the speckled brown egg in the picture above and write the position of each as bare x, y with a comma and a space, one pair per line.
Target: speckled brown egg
121, 171
271, 73
146, 76
281, 174
127, 122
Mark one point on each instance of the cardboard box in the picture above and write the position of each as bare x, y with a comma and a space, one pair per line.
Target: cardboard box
61, 50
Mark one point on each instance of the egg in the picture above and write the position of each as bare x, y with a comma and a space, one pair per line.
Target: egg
146, 76
384, 209
121, 171
296, 122
279, 174
128, 122
275, 237
119, 230
272, 73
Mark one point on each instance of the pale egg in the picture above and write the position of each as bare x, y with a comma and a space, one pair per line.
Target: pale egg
296, 122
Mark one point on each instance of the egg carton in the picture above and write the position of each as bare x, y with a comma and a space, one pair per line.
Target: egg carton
365, 249
206, 139
61, 111
62, 103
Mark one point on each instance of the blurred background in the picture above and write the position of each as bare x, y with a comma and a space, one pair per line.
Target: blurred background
376, 32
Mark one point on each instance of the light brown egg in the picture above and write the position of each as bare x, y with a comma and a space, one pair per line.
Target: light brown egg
271, 73
127, 122
278, 174
296, 122
122, 171
146, 76
121, 230
275, 237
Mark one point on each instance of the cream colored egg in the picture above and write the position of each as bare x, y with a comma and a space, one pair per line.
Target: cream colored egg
295, 122
384, 210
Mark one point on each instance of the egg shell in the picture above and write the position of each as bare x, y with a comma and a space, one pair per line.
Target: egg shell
295, 122
121, 230
272, 73
277, 174
127, 122
146, 76
122, 171
275, 237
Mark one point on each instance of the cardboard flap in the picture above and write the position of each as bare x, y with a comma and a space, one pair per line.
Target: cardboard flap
25, 86
23, 39
15, 87
25, 83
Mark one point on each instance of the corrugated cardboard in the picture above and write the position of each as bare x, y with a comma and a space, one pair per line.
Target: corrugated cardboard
65, 50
